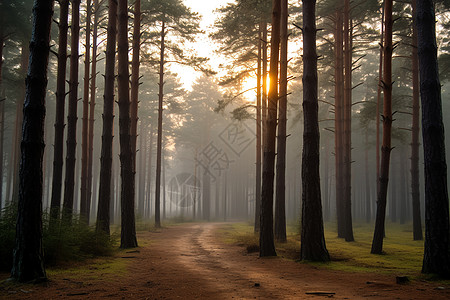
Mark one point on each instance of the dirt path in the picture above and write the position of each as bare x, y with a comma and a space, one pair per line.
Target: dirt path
190, 262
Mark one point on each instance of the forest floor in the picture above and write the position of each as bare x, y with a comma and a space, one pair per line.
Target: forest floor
192, 261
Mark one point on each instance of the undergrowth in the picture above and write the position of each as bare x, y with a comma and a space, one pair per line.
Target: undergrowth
68, 242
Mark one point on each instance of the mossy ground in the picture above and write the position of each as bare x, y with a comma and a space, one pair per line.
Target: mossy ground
401, 255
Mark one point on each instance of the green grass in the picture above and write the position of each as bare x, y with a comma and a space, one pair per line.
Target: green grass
401, 255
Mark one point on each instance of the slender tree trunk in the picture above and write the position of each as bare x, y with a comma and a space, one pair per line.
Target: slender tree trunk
338, 119
2, 117
266, 238
415, 144
149, 175
347, 173
71, 142
28, 261
280, 199
264, 84
258, 134
312, 236
436, 257
377, 118
92, 102
15, 153
84, 209
377, 243
59, 114
128, 228
368, 212
105, 189
142, 171
159, 138
135, 76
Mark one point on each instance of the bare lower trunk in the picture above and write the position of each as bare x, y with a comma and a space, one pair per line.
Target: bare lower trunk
415, 144
135, 76
128, 228
69, 184
58, 155
105, 196
84, 209
266, 238
28, 261
159, 137
312, 237
436, 257
280, 199
377, 243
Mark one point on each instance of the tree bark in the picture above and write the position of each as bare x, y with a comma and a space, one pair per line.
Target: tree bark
338, 120
135, 77
258, 133
105, 189
347, 134
280, 198
2, 116
15, 153
436, 257
266, 238
28, 262
128, 230
415, 144
313, 246
58, 158
92, 102
377, 243
84, 209
159, 138
71, 142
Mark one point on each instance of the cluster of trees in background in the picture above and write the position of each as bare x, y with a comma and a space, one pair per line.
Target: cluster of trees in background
209, 132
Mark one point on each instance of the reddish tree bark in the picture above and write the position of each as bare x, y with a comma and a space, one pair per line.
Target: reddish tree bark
377, 243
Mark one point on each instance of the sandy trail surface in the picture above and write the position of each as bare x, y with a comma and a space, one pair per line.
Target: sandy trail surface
191, 261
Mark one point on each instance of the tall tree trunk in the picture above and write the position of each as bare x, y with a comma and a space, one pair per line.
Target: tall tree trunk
266, 239
92, 101
436, 257
377, 117
142, 170
347, 173
149, 175
312, 237
28, 261
415, 144
18, 125
258, 133
338, 120
105, 189
71, 142
280, 199
58, 158
135, 76
264, 84
159, 138
368, 212
84, 209
2, 116
128, 228
377, 243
